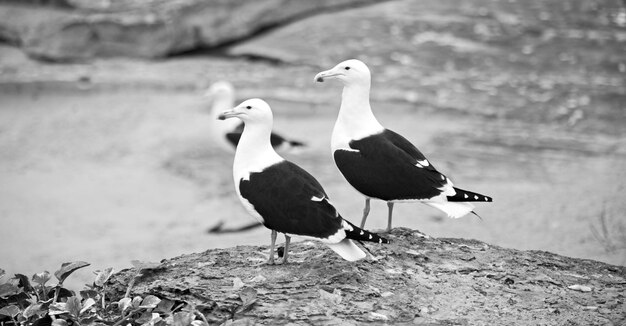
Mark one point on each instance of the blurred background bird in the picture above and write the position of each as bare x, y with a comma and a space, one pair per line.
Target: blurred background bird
227, 133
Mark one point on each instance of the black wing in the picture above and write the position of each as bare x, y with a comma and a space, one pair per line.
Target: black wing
290, 200
233, 138
406, 146
234, 135
385, 167
275, 139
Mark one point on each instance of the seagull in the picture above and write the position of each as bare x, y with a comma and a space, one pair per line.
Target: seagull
228, 133
380, 163
281, 195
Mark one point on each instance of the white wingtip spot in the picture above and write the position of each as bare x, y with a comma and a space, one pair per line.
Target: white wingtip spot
423, 163
443, 177
317, 198
361, 233
465, 196
475, 197
370, 237
486, 199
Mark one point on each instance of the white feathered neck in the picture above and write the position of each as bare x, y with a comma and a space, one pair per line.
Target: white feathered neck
254, 151
355, 119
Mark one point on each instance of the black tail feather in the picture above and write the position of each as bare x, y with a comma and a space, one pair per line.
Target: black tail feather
466, 196
363, 235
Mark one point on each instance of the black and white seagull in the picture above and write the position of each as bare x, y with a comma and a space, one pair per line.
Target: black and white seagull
227, 133
281, 195
380, 163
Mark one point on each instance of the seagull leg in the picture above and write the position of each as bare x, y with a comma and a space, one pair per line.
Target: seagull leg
390, 206
366, 211
286, 252
270, 261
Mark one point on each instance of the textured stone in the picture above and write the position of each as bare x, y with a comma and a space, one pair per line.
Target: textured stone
147, 29
500, 287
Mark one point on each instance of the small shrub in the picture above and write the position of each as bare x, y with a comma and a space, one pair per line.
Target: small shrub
33, 302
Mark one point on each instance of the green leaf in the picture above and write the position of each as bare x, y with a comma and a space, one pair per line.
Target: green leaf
154, 318
86, 294
145, 318
41, 278
165, 306
87, 304
10, 311
43, 321
73, 306
88, 320
124, 304
103, 276
23, 282
150, 302
33, 310
198, 323
63, 292
69, 268
59, 322
8, 289
58, 308
20, 299
136, 301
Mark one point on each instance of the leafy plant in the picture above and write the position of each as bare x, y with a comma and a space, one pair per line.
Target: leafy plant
33, 302
23, 303
40, 304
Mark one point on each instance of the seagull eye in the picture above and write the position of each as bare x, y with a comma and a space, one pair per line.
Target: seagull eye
347, 68
248, 107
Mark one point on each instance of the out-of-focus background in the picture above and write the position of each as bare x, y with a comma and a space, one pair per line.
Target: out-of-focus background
107, 153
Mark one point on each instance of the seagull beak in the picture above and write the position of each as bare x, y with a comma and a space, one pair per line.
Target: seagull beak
228, 114
328, 74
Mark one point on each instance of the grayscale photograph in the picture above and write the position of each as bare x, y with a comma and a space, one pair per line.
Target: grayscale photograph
297, 162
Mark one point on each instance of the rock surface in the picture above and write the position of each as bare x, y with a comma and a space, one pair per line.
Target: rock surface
416, 279
145, 29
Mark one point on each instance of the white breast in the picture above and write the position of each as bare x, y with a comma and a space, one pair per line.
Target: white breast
252, 156
348, 129
355, 120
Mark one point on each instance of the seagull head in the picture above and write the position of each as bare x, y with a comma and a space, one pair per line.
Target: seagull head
252, 111
349, 72
221, 89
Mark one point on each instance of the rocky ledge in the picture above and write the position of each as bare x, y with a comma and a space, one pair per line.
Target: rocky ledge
415, 280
